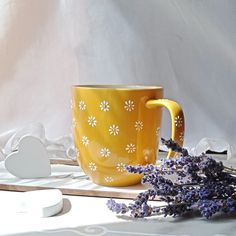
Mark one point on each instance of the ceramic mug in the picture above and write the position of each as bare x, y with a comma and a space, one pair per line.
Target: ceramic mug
115, 126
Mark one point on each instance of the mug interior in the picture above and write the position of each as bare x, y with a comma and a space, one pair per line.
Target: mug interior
122, 87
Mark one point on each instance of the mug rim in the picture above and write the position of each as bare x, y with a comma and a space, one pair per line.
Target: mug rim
117, 86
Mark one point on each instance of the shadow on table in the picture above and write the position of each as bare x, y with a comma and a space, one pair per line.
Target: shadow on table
66, 207
185, 226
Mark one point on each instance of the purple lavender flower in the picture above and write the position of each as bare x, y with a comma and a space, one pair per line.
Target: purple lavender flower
202, 184
174, 146
117, 207
208, 208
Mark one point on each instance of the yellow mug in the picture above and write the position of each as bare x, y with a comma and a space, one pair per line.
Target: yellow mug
115, 126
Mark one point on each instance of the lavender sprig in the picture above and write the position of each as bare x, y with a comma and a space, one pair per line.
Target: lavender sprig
202, 184
174, 146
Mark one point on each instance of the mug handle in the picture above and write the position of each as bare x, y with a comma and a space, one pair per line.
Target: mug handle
177, 119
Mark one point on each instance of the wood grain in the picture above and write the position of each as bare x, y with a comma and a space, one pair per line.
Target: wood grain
74, 192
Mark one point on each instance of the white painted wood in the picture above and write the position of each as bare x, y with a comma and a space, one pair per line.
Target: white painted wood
38, 203
41, 203
31, 160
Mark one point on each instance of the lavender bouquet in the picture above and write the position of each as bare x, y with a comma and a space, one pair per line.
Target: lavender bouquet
200, 184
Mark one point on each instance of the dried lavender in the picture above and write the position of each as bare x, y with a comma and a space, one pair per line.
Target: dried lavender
201, 184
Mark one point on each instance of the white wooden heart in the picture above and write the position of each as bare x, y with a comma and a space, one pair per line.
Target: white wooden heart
30, 161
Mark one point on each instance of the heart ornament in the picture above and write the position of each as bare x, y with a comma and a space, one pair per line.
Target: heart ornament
31, 160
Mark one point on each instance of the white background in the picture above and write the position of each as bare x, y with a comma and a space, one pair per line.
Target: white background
188, 47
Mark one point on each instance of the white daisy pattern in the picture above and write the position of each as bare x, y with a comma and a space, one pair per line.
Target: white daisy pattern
85, 141
114, 130
129, 105
77, 152
178, 121
82, 105
92, 166
138, 125
158, 131
181, 136
105, 152
130, 148
72, 104
104, 106
108, 179
121, 167
92, 121
74, 122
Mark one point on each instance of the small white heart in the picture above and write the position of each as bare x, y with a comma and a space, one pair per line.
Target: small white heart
37, 203
30, 161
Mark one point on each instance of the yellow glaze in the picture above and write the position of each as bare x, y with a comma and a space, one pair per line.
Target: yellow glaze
115, 126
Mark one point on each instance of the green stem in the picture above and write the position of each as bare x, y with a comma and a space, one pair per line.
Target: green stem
230, 168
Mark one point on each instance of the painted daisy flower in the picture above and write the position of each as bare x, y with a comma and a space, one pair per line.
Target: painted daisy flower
92, 121
138, 125
121, 167
104, 106
130, 148
129, 105
158, 131
77, 152
82, 105
74, 122
114, 130
85, 141
108, 179
181, 136
92, 166
72, 104
105, 152
178, 121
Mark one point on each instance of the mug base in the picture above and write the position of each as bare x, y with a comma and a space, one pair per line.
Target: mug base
126, 181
